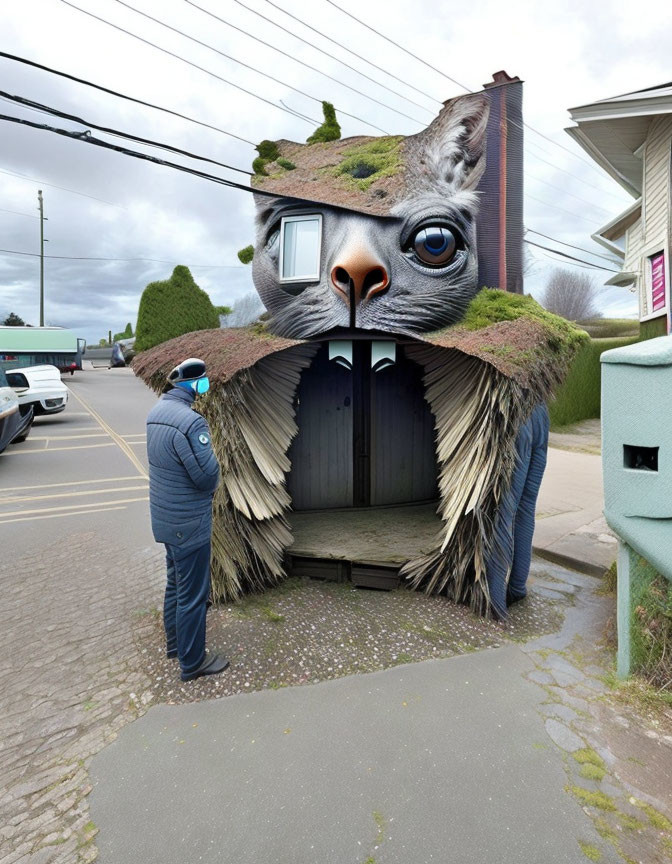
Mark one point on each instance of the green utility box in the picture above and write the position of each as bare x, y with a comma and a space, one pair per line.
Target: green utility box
637, 465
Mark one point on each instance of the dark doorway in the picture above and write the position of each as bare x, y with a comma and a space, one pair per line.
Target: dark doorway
366, 435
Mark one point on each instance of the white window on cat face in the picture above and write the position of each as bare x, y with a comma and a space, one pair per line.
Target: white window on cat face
300, 243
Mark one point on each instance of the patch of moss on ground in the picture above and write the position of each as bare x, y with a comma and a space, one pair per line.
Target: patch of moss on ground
363, 164
593, 799
592, 853
630, 823
592, 772
285, 163
605, 830
657, 819
588, 756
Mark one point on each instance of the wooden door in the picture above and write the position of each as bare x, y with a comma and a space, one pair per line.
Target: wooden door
366, 437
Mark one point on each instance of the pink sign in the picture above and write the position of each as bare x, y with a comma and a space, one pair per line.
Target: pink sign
658, 298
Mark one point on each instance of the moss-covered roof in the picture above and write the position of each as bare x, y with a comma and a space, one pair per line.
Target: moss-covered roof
517, 336
361, 173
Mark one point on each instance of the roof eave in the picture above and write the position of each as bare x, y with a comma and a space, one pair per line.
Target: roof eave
596, 155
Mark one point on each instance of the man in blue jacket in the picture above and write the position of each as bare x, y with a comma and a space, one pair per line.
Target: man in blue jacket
514, 525
183, 476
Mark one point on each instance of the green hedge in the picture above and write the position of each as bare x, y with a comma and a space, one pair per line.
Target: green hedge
173, 307
579, 397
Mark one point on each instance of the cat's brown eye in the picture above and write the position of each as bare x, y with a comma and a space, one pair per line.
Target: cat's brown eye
434, 245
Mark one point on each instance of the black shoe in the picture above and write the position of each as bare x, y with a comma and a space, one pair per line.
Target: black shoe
512, 598
212, 664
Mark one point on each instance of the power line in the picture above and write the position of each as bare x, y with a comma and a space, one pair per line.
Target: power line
342, 62
178, 57
570, 257
571, 194
97, 142
152, 260
571, 246
16, 213
454, 81
123, 96
247, 65
45, 109
301, 62
576, 177
342, 48
560, 209
217, 51
62, 188
401, 47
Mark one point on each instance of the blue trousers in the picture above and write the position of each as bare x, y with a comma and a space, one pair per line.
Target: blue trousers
184, 603
514, 526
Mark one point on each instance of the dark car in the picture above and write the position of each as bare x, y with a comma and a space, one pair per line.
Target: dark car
15, 420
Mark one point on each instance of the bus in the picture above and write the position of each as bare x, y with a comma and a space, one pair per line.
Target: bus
36, 346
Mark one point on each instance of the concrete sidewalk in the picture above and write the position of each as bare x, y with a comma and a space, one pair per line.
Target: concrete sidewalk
571, 528
443, 761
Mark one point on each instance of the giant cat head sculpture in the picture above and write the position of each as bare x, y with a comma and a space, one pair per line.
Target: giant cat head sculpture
397, 250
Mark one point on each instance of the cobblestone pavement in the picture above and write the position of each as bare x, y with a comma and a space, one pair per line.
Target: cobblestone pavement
618, 761
69, 678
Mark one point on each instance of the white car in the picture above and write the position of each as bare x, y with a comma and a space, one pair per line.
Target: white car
39, 386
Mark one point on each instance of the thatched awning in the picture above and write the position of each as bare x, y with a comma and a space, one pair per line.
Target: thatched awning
224, 352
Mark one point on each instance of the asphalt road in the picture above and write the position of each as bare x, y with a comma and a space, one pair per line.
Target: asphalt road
80, 468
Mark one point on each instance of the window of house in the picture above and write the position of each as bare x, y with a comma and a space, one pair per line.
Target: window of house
300, 242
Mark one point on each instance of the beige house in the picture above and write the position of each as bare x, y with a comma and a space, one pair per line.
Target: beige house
630, 136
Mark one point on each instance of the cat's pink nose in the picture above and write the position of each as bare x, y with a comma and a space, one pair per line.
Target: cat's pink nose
359, 274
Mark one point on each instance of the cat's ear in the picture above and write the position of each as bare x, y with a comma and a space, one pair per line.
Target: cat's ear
452, 148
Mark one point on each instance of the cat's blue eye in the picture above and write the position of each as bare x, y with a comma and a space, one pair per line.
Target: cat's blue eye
434, 245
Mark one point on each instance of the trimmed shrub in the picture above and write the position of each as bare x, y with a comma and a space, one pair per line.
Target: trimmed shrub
246, 255
579, 397
173, 307
329, 130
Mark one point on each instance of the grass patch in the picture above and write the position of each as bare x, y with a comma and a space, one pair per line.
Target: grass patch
657, 819
592, 772
651, 625
605, 830
579, 397
587, 756
630, 823
592, 853
593, 799
272, 615
379, 819
611, 328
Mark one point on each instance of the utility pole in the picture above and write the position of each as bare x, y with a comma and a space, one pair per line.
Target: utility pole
41, 208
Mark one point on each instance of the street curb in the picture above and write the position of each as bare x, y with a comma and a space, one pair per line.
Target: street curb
577, 564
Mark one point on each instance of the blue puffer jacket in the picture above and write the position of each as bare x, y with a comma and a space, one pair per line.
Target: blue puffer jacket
183, 472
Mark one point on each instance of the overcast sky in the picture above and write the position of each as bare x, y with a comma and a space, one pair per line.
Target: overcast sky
568, 54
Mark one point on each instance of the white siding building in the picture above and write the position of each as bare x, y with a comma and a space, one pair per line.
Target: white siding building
630, 136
